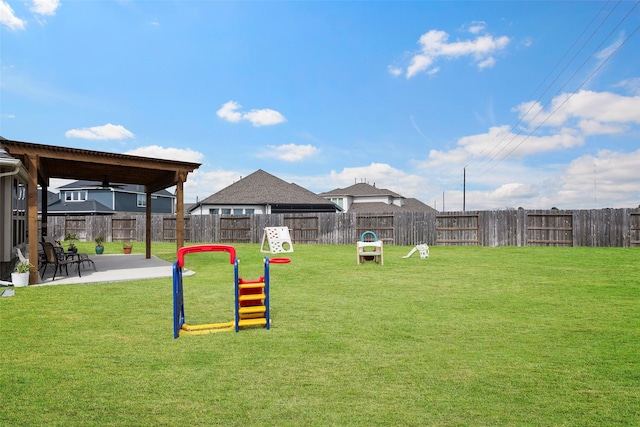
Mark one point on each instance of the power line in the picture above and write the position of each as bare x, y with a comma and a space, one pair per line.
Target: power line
487, 157
570, 95
530, 120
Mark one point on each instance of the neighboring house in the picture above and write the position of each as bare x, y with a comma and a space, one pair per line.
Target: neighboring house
56, 207
262, 193
367, 198
103, 198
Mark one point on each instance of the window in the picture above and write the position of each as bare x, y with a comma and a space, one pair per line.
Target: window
141, 200
19, 211
237, 211
75, 196
338, 201
213, 211
249, 211
225, 211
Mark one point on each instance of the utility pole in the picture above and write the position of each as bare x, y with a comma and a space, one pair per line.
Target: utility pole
464, 189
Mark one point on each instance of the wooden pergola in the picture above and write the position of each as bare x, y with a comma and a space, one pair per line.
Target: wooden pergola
44, 162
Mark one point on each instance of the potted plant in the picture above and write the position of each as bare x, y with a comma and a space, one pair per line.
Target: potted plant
20, 276
99, 245
71, 238
126, 247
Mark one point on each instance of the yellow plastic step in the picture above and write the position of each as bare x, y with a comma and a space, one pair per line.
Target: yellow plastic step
251, 285
253, 309
253, 322
251, 297
210, 328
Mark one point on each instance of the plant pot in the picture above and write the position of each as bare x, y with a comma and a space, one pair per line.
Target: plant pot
99, 250
127, 250
20, 280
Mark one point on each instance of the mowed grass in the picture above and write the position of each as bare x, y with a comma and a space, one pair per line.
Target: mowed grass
470, 336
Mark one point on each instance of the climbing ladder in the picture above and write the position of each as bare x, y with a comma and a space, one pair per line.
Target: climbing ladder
252, 301
251, 297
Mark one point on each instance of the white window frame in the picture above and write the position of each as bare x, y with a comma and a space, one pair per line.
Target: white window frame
75, 195
338, 201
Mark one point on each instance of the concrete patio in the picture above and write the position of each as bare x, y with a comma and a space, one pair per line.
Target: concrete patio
114, 268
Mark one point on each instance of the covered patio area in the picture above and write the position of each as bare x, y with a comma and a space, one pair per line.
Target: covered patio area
44, 162
115, 268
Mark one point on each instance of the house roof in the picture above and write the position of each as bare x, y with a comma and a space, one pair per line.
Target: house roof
125, 188
415, 205
86, 207
410, 205
374, 207
367, 190
361, 189
262, 188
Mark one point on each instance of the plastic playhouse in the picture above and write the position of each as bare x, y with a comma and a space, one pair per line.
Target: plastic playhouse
369, 248
251, 297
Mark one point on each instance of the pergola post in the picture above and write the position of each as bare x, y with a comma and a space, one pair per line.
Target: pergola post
32, 209
147, 226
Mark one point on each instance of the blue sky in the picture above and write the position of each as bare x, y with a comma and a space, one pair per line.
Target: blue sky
539, 102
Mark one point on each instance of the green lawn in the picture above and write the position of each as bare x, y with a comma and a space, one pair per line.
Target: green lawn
471, 336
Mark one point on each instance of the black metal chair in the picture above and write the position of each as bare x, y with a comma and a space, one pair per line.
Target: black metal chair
56, 257
82, 258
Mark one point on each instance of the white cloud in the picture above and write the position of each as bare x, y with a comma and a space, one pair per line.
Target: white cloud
477, 27
290, 152
45, 7
604, 107
632, 85
577, 117
514, 191
514, 145
501, 174
228, 112
487, 63
263, 117
439, 158
419, 63
435, 45
105, 132
8, 17
394, 71
158, 152
612, 172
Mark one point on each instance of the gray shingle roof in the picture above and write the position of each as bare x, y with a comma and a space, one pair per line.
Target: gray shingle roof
261, 188
413, 205
361, 189
86, 207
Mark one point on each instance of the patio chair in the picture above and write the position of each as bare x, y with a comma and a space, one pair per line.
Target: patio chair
82, 258
52, 240
56, 257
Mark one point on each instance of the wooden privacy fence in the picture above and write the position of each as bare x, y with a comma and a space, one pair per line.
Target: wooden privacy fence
604, 227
